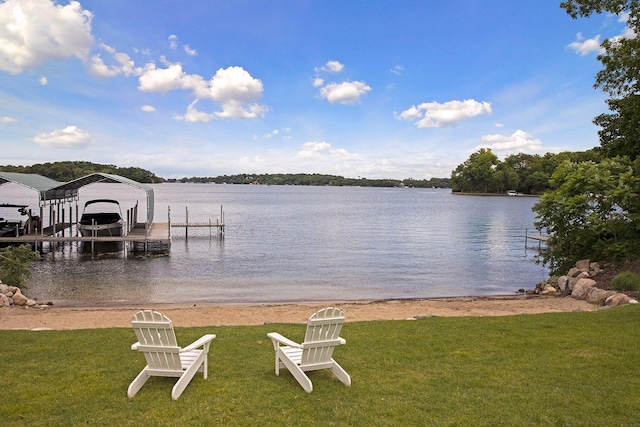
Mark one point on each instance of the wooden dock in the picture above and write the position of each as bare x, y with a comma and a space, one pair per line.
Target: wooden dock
539, 238
156, 239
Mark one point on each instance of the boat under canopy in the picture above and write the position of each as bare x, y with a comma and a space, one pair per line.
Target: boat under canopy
101, 217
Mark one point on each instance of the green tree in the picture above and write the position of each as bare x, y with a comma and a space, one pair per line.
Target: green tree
591, 212
477, 173
620, 134
618, 77
15, 265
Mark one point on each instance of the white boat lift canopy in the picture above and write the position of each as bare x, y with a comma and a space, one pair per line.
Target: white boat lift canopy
55, 192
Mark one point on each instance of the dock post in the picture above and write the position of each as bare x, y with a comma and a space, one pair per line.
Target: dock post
93, 235
186, 228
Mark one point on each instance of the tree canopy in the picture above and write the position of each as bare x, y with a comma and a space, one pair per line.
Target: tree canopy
591, 212
524, 173
70, 170
618, 77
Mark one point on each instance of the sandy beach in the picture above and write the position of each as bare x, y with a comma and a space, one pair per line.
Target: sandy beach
185, 315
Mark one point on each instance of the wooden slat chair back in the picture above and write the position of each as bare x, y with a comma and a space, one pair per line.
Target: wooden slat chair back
157, 341
316, 351
322, 336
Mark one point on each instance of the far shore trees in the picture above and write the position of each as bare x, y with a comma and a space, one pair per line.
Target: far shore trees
524, 173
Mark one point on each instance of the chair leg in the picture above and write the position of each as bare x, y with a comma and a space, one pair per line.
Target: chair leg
186, 378
137, 384
298, 374
277, 363
340, 373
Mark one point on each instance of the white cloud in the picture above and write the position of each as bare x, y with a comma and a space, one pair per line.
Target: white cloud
148, 109
518, 142
436, 115
173, 41
331, 67
334, 66
69, 137
6, 119
189, 51
413, 113
283, 133
43, 81
342, 93
398, 69
252, 162
163, 80
584, 47
345, 92
315, 150
193, 115
233, 87
123, 64
34, 31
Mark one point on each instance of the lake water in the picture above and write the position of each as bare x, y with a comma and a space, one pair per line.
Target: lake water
299, 243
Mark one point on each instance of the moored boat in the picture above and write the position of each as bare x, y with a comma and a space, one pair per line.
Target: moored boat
101, 217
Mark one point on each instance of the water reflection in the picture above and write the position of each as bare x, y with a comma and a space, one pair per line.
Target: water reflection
311, 243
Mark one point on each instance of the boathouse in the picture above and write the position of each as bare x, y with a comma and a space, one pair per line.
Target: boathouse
61, 200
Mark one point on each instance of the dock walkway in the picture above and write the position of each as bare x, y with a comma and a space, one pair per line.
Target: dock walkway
156, 238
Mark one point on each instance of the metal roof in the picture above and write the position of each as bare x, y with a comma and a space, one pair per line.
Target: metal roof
50, 190
31, 180
63, 188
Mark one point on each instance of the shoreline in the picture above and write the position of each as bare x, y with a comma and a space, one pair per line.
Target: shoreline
247, 314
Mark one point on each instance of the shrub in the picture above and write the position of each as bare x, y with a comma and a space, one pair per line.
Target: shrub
15, 265
626, 281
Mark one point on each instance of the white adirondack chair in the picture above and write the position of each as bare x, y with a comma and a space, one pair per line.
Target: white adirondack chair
321, 338
157, 341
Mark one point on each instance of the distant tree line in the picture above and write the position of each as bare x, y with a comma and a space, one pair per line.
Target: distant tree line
483, 172
70, 170
317, 179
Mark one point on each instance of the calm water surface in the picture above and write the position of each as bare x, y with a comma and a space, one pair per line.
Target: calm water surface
289, 243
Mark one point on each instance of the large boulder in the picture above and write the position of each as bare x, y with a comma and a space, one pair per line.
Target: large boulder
4, 300
617, 300
597, 296
563, 283
581, 288
19, 299
573, 272
583, 265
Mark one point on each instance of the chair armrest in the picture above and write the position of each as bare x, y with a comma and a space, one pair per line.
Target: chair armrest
135, 345
342, 340
277, 338
201, 342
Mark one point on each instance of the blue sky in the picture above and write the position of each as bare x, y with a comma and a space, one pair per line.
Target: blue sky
375, 89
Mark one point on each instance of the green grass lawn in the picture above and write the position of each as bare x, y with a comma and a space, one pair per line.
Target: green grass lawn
567, 369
